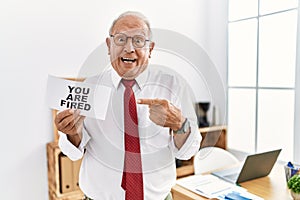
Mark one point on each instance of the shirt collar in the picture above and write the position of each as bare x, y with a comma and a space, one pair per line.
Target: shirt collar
140, 80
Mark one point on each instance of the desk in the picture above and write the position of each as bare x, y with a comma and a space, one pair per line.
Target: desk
271, 187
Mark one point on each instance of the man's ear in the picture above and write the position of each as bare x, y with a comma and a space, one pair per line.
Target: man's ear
151, 47
108, 45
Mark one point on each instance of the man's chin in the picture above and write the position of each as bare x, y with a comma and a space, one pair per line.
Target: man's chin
132, 73
130, 76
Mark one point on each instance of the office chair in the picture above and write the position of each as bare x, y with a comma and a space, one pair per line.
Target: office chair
211, 158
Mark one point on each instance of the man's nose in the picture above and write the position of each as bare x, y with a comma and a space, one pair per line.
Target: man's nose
129, 48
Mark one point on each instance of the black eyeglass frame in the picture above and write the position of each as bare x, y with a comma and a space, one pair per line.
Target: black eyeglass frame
146, 40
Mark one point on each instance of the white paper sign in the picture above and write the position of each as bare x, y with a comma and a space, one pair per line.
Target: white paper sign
91, 99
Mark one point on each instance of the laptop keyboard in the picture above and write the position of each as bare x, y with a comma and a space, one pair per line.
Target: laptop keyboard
232, 176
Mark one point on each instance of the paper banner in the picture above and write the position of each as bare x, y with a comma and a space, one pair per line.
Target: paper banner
91, 99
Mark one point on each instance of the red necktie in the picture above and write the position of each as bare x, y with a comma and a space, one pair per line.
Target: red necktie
132, 180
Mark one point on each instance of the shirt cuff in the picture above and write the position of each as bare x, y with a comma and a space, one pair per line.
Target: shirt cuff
189, 148
68, 148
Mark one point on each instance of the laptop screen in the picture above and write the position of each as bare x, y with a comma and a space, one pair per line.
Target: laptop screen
255, 166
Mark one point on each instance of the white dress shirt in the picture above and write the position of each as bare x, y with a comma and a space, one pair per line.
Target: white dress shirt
102, 145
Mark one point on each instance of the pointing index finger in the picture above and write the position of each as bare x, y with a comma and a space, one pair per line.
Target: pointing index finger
145, 101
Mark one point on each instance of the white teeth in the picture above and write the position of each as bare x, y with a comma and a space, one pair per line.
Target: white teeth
128, 60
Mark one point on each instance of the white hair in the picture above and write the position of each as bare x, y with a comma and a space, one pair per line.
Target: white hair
131, 13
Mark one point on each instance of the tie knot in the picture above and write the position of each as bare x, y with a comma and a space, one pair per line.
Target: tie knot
128, 83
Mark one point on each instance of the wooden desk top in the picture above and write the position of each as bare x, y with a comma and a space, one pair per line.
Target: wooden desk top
271, 187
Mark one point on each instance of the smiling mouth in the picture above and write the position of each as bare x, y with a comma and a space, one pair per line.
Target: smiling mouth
128, 60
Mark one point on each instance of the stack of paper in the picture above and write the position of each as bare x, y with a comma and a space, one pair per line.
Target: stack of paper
212, 187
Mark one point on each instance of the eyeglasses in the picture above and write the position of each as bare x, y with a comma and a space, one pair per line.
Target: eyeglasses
138, 41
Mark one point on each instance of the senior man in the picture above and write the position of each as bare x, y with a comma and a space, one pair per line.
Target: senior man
149, 122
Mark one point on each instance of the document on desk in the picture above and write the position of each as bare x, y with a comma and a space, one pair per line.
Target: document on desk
212, 187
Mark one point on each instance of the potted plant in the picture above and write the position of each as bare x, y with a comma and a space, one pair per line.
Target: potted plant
294, 185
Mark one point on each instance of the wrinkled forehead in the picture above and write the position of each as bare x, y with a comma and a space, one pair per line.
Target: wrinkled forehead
132, 32
130, 25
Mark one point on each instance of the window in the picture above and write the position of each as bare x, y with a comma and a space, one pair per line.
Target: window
262, 92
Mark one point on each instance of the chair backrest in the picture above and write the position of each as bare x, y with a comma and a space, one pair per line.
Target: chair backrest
211, 158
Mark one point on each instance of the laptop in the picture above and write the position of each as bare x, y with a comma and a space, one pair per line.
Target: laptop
255, 166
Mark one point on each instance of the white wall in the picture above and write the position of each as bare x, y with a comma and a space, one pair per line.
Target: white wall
38, 38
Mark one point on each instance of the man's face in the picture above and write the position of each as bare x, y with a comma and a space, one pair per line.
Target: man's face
128, 60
